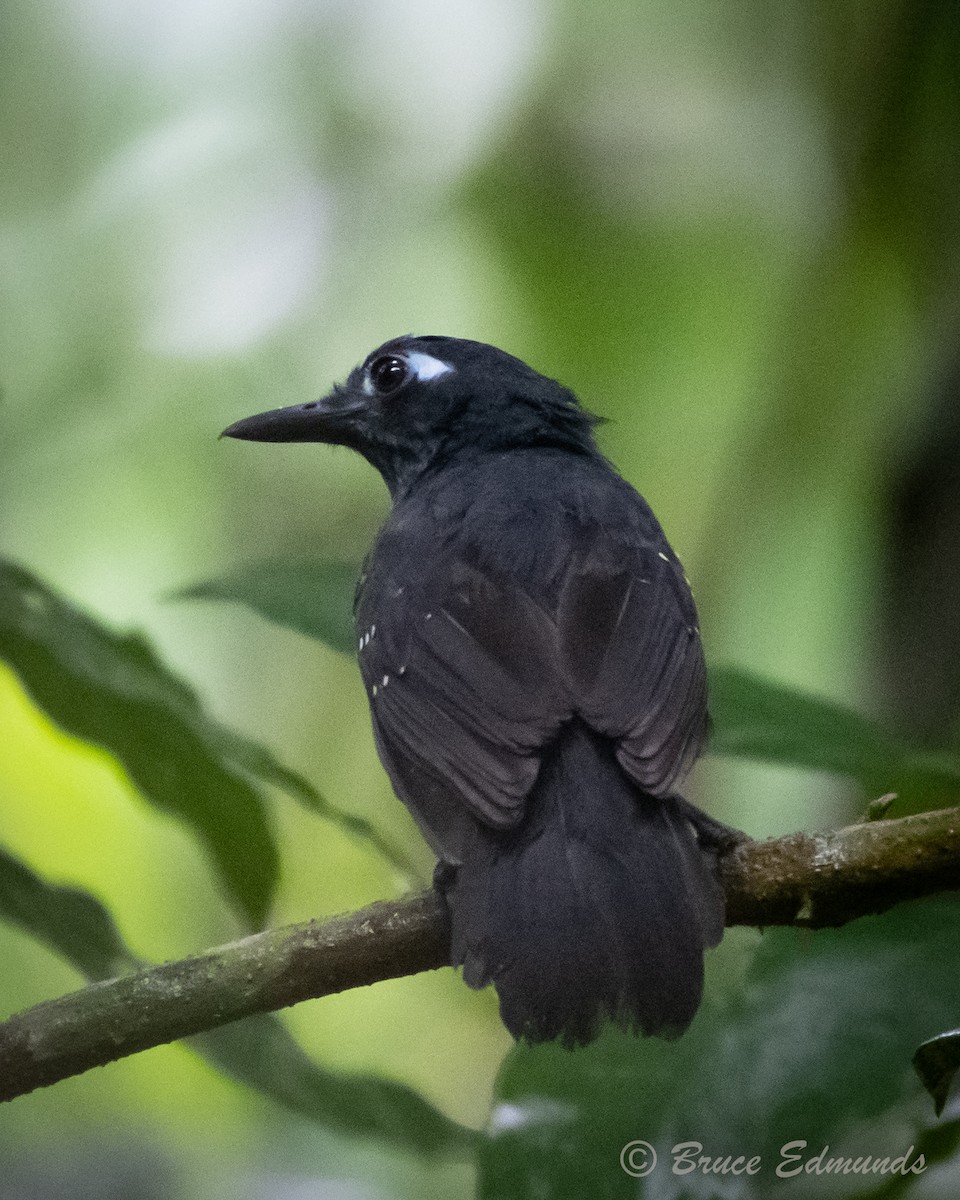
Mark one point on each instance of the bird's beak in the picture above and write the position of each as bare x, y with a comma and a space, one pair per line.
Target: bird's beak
335, 418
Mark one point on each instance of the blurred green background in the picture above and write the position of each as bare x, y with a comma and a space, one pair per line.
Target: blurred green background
731, 228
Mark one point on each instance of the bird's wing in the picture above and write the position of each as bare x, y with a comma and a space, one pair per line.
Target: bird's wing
631, 655
465, 690
470, 678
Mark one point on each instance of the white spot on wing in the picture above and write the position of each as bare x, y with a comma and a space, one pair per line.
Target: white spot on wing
425, 367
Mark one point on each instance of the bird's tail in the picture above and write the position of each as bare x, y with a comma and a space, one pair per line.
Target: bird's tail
599, 905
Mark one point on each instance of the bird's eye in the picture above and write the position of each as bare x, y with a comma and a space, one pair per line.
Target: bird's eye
387, 373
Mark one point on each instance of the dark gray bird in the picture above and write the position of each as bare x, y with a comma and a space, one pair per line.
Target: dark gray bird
531, 653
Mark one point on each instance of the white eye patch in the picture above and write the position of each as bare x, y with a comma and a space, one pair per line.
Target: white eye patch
425, 367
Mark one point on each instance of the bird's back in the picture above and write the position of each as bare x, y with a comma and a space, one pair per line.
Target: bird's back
511, 592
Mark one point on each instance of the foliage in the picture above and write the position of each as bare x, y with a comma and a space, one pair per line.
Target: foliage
734, 230
113, 690
812, 1021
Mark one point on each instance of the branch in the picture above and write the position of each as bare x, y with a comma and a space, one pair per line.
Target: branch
827, 879
801, 879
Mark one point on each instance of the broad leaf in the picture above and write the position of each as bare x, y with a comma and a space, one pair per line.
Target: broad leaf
68, 920
312, 596
815, 1047
754, 718
259, 1051
111, 689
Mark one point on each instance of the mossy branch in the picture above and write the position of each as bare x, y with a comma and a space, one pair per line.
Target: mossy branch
801, 879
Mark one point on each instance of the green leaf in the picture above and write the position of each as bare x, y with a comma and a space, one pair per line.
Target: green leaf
112, 690
310, 596
814, 1046
754, 718
314, 598
68, 920
260, 1052
937, 1062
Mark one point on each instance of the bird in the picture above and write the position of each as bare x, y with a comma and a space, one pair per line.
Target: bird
530, 649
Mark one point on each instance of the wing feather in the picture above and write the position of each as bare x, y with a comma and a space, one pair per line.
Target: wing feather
470, 677
633, 659
464, 687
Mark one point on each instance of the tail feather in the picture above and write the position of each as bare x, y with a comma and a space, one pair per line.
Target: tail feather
598, 907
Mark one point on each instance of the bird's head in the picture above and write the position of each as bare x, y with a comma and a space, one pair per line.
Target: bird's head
419, 402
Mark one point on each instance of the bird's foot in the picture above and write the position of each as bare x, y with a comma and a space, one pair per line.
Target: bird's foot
444, 875
711, 833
